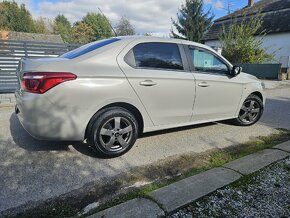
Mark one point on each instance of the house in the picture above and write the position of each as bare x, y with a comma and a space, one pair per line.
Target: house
276, 23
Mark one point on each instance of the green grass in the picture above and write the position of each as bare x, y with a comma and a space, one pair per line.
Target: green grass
219, 158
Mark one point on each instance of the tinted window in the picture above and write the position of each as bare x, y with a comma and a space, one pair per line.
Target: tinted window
207, 62
158, 55
88, 48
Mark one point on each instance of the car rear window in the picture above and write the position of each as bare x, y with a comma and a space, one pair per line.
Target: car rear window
88, 48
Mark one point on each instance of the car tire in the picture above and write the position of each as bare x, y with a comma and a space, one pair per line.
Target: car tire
112, 132
250, 112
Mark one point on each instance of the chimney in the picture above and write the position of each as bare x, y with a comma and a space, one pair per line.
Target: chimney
250, 3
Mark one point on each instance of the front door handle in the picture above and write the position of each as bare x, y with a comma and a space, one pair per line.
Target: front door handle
148, 83
203, 84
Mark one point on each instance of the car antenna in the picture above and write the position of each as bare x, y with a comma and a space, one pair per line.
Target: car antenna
108, 22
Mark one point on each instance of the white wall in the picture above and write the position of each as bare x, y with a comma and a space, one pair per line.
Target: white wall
278, 43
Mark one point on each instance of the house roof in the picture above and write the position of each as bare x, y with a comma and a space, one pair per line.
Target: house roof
276, 15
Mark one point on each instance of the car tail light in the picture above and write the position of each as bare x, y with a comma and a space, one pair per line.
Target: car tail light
42, 81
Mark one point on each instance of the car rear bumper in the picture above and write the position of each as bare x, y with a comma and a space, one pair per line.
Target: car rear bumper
43, 120
30, 127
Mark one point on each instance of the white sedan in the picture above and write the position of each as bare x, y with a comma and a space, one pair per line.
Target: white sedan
110, 91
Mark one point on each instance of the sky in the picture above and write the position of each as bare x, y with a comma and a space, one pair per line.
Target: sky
147, 16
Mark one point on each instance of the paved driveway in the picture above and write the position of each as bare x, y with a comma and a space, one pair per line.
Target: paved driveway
34, 170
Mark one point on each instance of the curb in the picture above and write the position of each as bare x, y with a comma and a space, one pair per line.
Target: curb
181, 193
138, 207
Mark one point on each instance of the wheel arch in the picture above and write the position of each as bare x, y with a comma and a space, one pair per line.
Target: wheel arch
259, 94
131, 108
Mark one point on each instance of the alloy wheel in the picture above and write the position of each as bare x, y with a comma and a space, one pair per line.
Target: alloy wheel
250, 111
116, 134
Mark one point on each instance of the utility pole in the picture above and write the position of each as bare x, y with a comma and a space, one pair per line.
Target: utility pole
230, 4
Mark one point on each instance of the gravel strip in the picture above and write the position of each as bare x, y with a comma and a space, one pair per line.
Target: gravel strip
265, 194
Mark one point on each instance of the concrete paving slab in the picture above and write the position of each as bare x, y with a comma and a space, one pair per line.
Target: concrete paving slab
254, 162
138, 207
181, 193
284, 146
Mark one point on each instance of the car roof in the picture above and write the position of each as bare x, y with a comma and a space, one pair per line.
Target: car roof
163, 39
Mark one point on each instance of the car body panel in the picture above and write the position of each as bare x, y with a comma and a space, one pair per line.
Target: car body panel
104, 78
220, 99
171, 99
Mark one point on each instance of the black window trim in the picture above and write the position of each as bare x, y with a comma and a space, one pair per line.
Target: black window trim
182, 52
192, 67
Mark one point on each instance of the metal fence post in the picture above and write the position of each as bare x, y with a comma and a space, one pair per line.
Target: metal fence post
25, 49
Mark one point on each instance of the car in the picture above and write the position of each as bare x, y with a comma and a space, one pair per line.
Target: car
109, 92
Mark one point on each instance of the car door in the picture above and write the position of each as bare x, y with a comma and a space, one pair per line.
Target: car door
217, 93
161, 79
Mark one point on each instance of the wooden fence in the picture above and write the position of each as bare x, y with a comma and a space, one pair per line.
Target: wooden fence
11, 51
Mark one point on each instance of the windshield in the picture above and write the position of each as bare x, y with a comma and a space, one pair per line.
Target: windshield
88, 48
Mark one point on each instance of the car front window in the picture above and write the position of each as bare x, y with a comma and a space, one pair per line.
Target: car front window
204, 61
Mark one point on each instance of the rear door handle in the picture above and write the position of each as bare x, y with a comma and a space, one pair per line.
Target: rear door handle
148, 83
203, 84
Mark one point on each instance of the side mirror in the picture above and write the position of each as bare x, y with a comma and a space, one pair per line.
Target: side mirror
236, 70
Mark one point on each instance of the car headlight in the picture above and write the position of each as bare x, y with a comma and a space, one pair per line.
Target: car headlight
263, 85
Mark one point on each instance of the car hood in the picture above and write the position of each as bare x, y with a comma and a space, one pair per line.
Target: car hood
249, 77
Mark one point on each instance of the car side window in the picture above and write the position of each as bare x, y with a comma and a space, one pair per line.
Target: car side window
156, 55
204, 61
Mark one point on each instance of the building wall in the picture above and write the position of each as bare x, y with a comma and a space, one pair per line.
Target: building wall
278, 43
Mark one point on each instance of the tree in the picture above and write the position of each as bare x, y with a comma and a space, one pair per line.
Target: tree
124, 27
40, 26
63, 27
239, 43
99, 24
4, 23
82, 33
192, 22
15, 18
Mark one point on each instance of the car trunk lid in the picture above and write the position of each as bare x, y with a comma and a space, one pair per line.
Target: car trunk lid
35, 65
